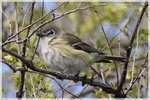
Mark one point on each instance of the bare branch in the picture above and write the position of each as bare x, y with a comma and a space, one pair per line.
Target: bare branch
137, 78
134, 56
124, 72
108, 43
33, 23
40, 31
26, 15
12, 67
81, 93
51, 20
33, 85
8, 20
64, 14
84, 80
19, 94
31, 16
63, 89
16, 25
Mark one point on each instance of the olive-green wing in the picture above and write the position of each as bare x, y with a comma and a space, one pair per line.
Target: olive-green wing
78, 44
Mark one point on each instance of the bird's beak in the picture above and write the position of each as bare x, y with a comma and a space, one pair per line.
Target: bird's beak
40, 34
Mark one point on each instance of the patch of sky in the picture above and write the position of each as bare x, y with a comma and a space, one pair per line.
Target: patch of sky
7, 82
48, 6
70, 86
5, 68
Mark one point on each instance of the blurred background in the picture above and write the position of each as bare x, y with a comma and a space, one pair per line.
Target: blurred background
113, 22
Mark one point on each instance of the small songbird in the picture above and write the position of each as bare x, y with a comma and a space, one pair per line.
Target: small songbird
66, 53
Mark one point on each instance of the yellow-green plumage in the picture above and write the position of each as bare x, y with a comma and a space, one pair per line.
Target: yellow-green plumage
66, 53
64, 57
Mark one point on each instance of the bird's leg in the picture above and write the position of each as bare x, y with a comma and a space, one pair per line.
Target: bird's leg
77, 75
92, 78
85, 77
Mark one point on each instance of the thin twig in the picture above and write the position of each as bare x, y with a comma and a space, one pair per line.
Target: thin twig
12, 67
137, 78
30, 21
56, 18
124, 72
33, 85
22, 83
33, 23
114, 37
95, 71
134, 57
10, 41
30, 65
62, 88
82, 91
80, 4
119, 46
17, 27
144, 67
102, 74
40, 74
108, 43
20, 92
25, 16
8, 20
32, 57
51, 20
64, 14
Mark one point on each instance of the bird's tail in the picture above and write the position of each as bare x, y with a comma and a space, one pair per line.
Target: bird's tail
107, 58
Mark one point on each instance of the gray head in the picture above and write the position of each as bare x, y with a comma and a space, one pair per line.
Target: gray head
50, 31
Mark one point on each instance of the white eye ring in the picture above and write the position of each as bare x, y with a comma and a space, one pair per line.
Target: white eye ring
51, 32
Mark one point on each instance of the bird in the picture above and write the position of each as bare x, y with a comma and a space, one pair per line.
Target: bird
67, 53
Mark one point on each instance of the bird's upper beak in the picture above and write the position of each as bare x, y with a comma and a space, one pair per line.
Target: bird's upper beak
40, 34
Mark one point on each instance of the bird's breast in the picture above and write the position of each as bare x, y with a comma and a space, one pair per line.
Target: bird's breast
65, 58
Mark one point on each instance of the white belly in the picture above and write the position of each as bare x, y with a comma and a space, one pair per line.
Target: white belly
66, 60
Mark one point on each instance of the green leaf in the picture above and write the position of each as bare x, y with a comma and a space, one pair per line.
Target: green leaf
18, 64
134, 91
33, 40
129, 75
9, 58
100, 93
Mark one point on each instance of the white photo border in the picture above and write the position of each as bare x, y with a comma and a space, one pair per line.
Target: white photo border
119, 1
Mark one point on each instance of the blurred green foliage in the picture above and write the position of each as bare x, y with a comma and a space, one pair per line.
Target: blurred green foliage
84, 24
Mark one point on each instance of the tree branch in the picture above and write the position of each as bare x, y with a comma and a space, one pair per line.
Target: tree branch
12, 67
84, 80
31, 24
129, 49
109, 46
137, 78
51, 20
38, 41
19, 94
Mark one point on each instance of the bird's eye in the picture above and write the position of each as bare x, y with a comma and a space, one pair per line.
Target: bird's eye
51, 32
